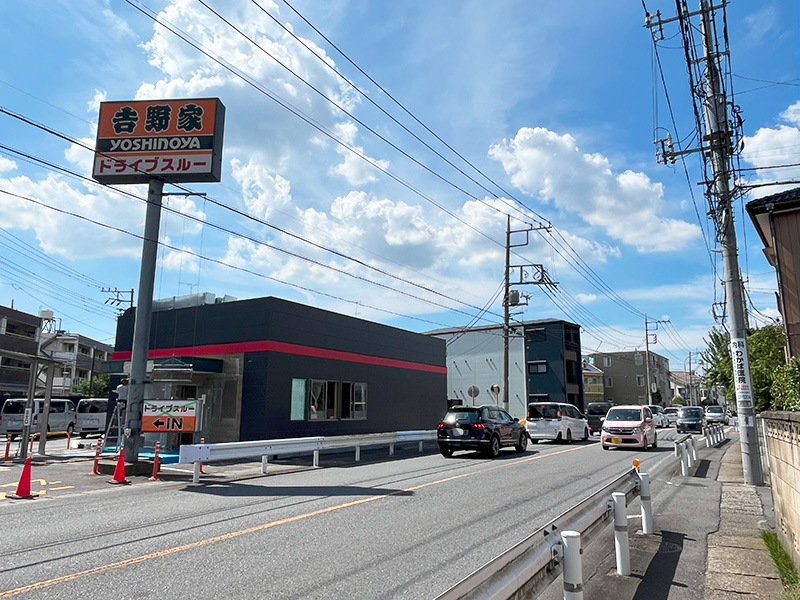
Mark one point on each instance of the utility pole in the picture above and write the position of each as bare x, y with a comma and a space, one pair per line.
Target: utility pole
718, 149
647, 360
529, 274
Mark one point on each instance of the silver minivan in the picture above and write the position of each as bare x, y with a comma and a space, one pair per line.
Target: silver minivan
62, 416
91, 416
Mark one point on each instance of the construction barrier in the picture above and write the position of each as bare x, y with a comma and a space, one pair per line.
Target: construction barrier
96, 467
156, 463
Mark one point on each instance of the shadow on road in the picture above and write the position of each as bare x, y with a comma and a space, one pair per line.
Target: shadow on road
658, 580
233, 489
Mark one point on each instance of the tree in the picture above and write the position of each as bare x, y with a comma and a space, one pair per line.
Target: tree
765, 353
678, 401
96, 388
785, 387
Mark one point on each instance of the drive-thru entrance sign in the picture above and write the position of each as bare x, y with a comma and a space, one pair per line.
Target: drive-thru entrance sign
169, 415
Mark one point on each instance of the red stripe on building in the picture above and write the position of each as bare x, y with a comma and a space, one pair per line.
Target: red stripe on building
283, 348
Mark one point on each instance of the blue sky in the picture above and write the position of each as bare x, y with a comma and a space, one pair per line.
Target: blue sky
554, 105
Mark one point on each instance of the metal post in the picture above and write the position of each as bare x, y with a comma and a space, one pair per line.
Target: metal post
573, 565
648, 394
621, 545
264, 464
715, 108
48, 390
29, 405
391, 449
316, 458
684, 460
141, 327
647, 504
689, 458
358, 453
693, 448
196, 473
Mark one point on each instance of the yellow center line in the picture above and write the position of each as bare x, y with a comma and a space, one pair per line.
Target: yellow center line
234, 534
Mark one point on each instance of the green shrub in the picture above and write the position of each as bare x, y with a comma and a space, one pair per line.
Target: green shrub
785, 389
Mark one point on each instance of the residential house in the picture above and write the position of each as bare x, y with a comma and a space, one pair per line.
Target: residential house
625, 377
593, 390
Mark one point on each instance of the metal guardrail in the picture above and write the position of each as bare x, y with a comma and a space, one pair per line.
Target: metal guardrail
201, 453
529, 567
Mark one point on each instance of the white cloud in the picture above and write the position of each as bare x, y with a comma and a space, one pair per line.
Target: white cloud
7, 165
173, 260
627, 205
585, 298
65, 235
772, 146
355, 169
262, 192
80, 155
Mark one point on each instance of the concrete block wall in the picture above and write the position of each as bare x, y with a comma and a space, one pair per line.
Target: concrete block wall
782, 431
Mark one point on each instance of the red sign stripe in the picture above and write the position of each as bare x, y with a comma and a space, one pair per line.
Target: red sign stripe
283, 348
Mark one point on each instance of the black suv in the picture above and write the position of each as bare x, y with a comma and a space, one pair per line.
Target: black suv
486, 428
595, 413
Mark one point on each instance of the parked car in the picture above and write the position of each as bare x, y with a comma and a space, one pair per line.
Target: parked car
690, 418
630, 425
92, 414
659, 418
62, 416
715, 415
486, 428
672, 414
595, 412
557, 421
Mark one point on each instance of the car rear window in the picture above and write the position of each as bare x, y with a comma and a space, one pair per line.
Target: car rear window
624, 414
462, 414
14, 407
714, 409
543, 411
597, 409
91, 406
690, 412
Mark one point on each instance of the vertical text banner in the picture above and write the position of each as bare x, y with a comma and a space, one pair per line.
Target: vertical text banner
177, 141
741, 377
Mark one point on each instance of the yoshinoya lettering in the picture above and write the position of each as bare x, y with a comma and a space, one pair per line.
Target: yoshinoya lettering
155, 143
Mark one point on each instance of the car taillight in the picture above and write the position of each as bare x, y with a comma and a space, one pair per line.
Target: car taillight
441, 426
529, 414
478, 426
558, 414
35, 419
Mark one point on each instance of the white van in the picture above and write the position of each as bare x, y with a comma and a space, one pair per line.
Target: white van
556, 421
62, 416
91, 416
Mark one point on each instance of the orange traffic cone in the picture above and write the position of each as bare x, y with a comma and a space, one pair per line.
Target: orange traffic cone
119, 472
24, 485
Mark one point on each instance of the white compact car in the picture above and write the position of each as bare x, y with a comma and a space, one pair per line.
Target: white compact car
556, 421
660, 419
672, 414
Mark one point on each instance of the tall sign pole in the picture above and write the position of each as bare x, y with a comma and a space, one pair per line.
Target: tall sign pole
154, 142
719, 140
141, 327
506, 315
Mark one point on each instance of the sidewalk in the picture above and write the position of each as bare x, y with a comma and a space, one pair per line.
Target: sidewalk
739, 565
705, 545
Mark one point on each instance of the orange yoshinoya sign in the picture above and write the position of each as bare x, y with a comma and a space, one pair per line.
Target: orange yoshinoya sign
179, 141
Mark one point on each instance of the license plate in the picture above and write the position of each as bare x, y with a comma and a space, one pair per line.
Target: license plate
615, 440
458, 431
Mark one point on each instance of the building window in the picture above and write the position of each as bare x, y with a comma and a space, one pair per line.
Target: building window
640, 380
536, 367
536, 335
298, 412
354, 400
609, 382
323, 400
638, 359
606, 361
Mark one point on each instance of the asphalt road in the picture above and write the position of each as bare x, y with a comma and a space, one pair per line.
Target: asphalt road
410, 527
